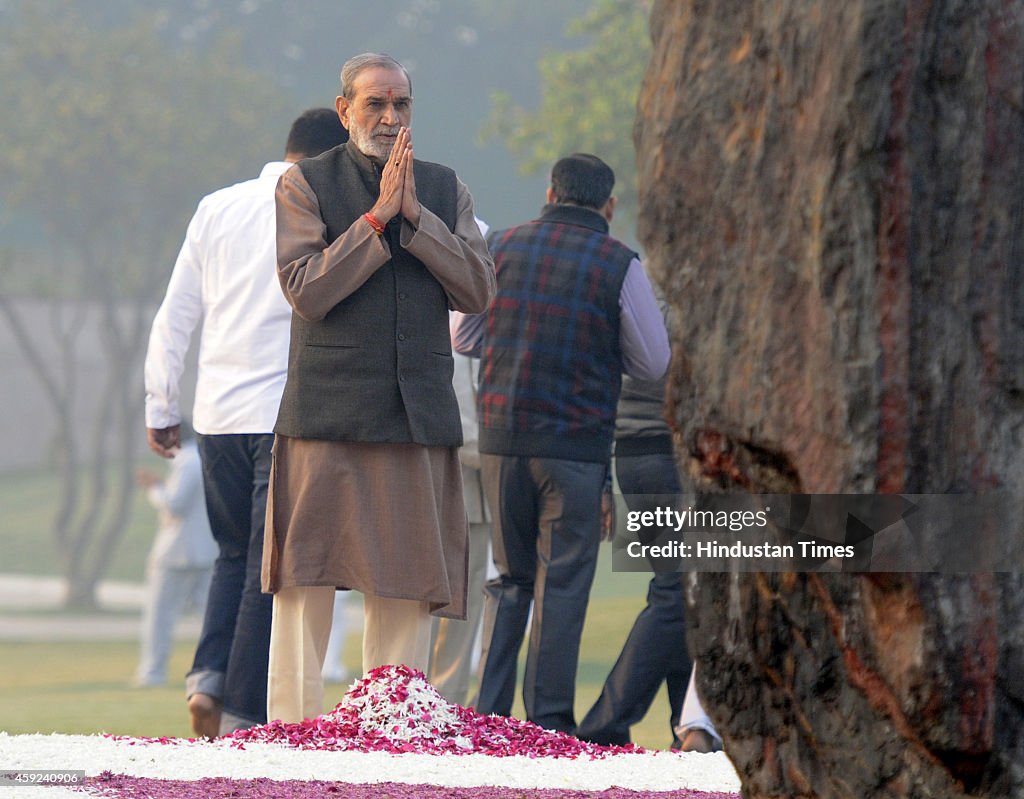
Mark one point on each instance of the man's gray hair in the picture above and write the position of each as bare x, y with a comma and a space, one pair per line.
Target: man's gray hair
350, 71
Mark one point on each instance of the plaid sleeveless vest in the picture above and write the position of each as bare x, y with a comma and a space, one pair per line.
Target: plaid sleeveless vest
552, 364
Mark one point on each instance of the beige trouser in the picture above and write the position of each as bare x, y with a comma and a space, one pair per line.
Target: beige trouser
394, 631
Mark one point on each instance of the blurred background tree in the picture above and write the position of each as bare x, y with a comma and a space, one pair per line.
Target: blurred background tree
588, 101
108, 139
119, 116
457, 51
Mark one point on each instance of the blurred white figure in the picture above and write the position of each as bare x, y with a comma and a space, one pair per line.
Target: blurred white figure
180, 563
695, 730
455, 645
334, 667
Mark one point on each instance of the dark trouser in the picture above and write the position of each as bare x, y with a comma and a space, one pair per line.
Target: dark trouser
545, 536
231, 657
656, 647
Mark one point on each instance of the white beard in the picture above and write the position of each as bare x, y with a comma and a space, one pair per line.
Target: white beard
369, 145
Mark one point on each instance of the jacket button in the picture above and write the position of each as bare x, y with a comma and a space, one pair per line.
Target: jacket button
401, 336
401, 295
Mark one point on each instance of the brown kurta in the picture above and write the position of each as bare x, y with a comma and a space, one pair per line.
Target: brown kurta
386, 519
335, 506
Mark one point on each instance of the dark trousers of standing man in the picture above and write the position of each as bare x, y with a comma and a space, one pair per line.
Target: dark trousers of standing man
546, 531
655, 649
231, 658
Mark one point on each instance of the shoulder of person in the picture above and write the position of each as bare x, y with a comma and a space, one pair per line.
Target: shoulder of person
229, 195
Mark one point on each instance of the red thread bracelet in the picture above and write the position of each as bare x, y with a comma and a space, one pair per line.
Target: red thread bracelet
375, 223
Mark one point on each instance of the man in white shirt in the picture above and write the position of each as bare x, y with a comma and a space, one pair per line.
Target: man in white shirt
226, 276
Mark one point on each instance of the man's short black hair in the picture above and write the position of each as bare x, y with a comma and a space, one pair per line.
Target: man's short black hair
582, 179
315, 131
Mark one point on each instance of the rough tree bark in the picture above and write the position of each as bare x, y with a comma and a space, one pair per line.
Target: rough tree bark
831, 196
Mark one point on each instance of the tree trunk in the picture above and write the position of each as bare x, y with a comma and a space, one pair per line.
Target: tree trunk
121, 430
831, 199
94, 503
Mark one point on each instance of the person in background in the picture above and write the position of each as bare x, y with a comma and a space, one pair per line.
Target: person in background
180, 563
574, 310
374, 247
225, 277
655, 650
334, 669
456, 643
694, 730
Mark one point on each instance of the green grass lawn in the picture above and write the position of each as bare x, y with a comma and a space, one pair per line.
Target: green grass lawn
85, 687
28, 507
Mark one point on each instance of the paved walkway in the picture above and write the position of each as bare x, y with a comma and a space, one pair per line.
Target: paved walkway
30, 610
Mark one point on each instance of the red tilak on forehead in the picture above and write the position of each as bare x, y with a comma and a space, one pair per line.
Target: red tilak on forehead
391, 93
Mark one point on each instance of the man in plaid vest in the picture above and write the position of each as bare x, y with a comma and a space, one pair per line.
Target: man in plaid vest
573, 311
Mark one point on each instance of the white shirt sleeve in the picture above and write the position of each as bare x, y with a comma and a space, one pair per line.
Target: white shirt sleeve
642, 333
175, 321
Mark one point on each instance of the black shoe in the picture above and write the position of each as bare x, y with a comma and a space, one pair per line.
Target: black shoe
205, 712
701, 741
603, 737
